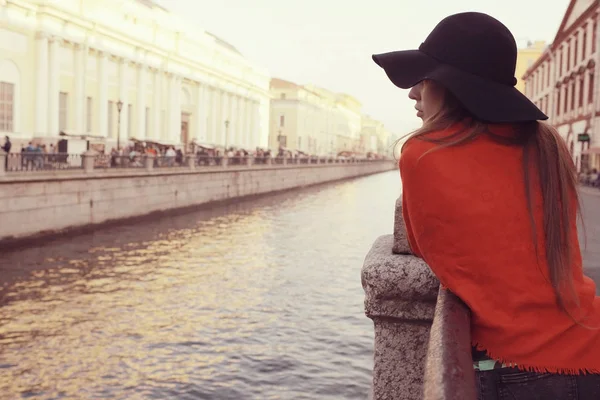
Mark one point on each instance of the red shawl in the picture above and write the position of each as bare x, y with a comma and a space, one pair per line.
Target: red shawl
466, 215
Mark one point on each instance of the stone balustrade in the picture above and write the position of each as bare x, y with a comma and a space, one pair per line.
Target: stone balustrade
400, 298
401, 293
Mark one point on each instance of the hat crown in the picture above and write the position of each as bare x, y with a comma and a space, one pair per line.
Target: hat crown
475, 43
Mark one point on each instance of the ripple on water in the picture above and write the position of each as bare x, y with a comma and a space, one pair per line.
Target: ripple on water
257, 300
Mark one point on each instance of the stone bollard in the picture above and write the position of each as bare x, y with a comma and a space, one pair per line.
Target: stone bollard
400, 297
88, 161
149, 162
249, 161
225, 162
190, 160
284, 161
3, 161
269, 161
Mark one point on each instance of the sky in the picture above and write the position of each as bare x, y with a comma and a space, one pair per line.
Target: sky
330, 42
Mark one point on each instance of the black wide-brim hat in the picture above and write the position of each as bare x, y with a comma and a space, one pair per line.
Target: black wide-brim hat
473, 56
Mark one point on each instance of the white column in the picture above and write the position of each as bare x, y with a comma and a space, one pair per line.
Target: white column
41, 100
124, 97
140, 105
53, 87
174, 109
225, 116
170, 106
248, 125
204, 113
79, 100
157, 131
177, 112
242, 124
215, 121
234, 127
102, 94
199, 119
256, 123
242, 121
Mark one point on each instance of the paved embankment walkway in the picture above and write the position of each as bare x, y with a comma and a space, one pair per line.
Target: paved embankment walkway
590, 199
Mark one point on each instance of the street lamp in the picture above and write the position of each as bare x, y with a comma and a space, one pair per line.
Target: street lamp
226, 134
119, 108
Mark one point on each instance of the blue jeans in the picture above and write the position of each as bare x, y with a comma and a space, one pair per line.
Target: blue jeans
512, 384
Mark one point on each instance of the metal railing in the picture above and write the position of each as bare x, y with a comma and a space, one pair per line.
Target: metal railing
24, 162
34, 161
113, 161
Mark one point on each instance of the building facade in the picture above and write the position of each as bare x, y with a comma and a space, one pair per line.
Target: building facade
66, 66
526, 56
564, 82
375, 138
313, 120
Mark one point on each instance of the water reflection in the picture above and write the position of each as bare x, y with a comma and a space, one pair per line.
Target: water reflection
259, 300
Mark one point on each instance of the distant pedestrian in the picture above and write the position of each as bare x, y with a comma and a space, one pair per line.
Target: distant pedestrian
490, 203
6, 147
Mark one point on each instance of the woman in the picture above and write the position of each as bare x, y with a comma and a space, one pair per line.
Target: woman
490, 203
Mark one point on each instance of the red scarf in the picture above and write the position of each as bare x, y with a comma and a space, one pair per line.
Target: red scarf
466, 215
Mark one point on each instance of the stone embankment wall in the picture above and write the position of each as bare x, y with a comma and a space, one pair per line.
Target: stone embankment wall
49, 203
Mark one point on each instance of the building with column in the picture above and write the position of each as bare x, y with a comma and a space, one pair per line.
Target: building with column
313, 120
563, 82
375, 138
65, 66
526, 56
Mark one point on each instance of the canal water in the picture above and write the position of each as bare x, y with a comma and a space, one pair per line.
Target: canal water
257, 300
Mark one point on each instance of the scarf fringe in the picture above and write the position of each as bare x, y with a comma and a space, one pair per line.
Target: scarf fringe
537, 368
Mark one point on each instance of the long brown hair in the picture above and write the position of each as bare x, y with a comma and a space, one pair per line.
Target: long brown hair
545, 154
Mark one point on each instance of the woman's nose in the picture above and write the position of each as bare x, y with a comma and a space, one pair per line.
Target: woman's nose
414, 93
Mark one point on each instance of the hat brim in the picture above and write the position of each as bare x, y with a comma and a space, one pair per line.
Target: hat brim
487, 100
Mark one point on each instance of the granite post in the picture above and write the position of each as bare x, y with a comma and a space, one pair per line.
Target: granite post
3, 159
400, 298
190, 160
149, 162
88, 160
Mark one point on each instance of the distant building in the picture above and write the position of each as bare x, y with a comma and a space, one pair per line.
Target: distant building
313, 120
562, 82
375, 138
526, 56
66, 65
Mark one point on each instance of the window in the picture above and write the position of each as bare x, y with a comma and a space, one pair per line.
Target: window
557, 102
560, 61
129, 120
88, 115
63, 101
575, 51
7, 106
282, 121
111, 107
282, 96
591, 89
580, 100
568, 57
572, 86
147, 118
584, 42
594, 38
